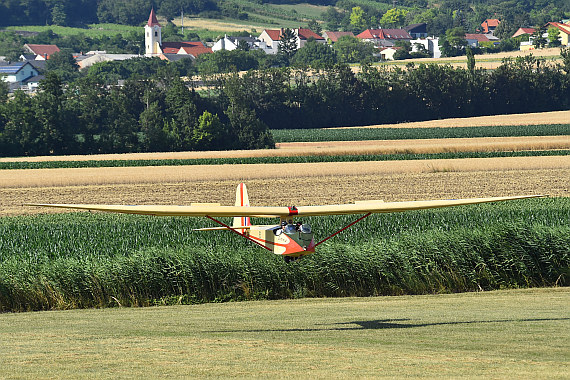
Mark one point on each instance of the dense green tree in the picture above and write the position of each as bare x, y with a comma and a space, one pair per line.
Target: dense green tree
54, 118
129, 12
454, 42
224, 61
315, 26
357, 19
393, 18
64, 65
565, 55
538, 37
153, 128
353, 50
333, 18
287, 45
20, 134
470, 59
553, 35
314, 54
505, 30
210, 132
249, 131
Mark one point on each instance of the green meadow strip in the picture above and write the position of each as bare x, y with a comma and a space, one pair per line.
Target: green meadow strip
273, 160
79, 260
359, 134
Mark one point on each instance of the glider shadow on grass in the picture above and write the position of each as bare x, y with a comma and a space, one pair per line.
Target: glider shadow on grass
380, 324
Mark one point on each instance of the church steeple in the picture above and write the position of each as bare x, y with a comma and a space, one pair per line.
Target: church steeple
152, 21
152, 35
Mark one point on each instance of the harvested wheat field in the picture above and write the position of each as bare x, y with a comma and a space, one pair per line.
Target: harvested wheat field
304, 184
245, 172
537, 118
331, 148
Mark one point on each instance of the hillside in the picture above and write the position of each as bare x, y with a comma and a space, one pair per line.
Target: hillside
439, 15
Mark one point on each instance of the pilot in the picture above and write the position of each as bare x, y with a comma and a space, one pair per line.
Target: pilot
290, 228
306, 228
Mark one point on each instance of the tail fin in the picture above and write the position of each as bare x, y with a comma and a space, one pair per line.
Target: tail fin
241, 200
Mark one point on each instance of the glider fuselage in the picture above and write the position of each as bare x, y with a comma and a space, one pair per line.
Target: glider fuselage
292, 241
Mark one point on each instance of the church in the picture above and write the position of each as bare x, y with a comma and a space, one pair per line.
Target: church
154, 47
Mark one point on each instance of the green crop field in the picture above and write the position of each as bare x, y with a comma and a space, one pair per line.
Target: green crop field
508, 334
80, 260
273, 159
93, 30
360, 134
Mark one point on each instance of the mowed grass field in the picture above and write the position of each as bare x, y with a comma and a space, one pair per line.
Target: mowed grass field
498, 334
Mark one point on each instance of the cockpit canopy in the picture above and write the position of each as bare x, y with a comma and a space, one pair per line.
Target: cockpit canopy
306, 228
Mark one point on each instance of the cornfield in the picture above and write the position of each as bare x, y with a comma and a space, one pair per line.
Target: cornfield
359, 134
276, 159
79, 260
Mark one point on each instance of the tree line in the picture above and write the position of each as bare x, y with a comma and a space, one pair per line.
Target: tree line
234, 112
355, 16
143, 115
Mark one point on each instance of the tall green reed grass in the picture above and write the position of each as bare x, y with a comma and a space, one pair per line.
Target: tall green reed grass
83, 260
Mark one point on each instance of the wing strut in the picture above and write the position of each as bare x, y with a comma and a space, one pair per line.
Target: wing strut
342, 229
237, 232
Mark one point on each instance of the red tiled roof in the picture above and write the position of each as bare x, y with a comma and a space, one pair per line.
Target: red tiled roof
476, 36
490, 22
44, 50
189, 47
385, 34
334, 36
152, 21
305, 34
522, 31
274, 34
565, 28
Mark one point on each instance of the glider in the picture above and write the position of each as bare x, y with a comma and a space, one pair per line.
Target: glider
291, 238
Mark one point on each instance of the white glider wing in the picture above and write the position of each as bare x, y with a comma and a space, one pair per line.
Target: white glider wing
282, 212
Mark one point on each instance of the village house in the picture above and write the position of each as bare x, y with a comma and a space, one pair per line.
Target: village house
232, 43
271, 37
17, 74
523, 31
387, 53
474, 39
332, 37
40, 52
489, 25
564, 32
384, 37
417, 31
430, 44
